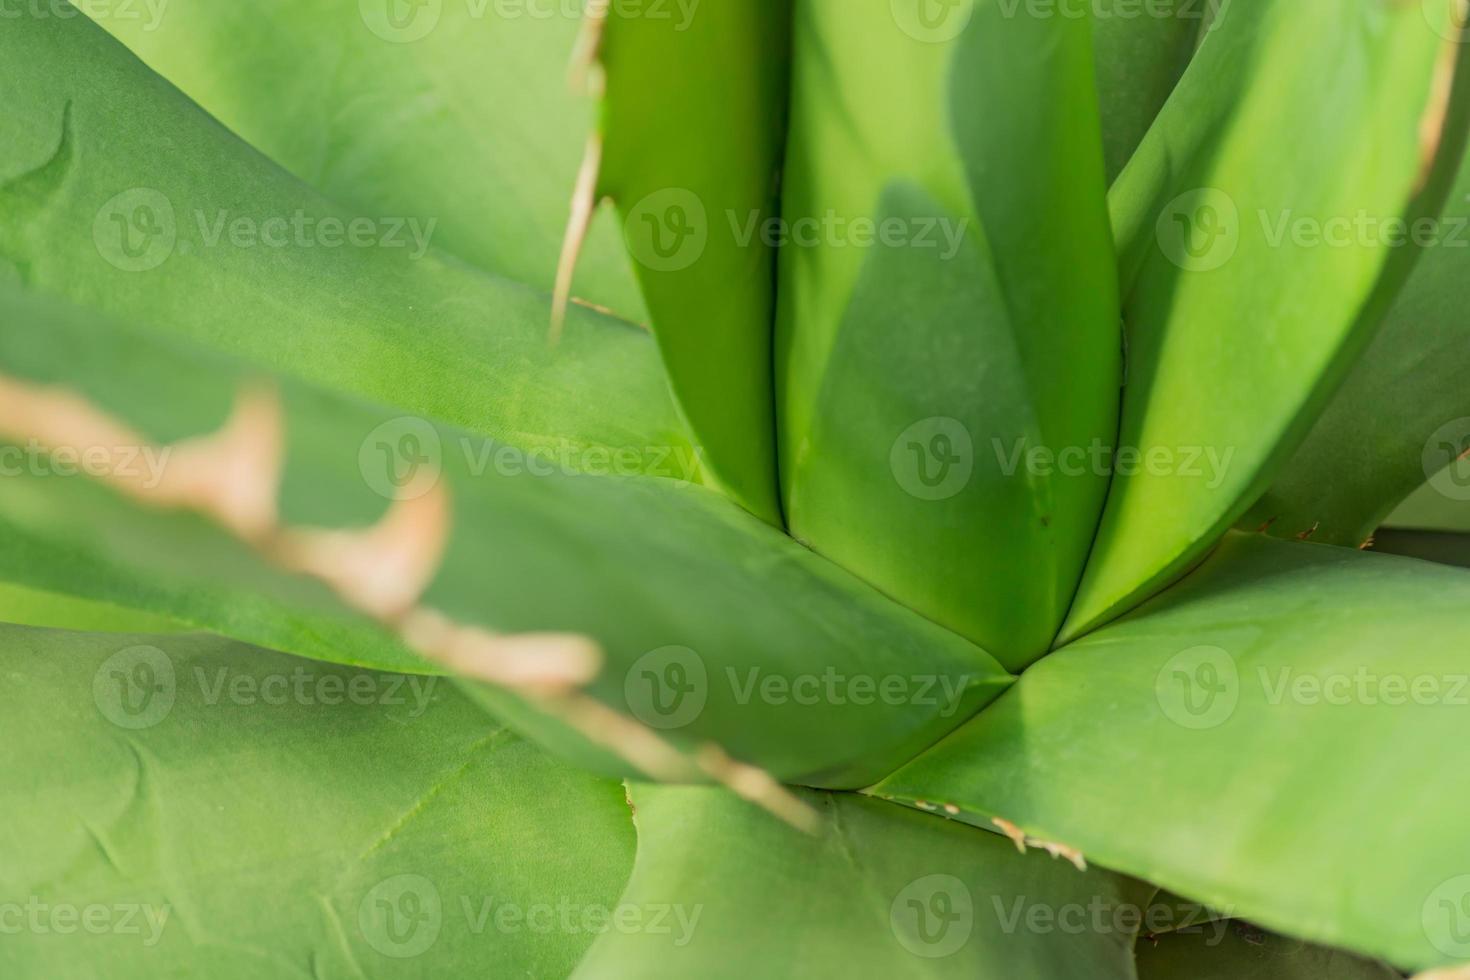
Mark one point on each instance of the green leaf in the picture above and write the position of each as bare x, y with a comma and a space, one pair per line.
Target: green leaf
91, 215
795, 665
189, 806
33, 607
1246, 739
879, 892
1445, 547
1140, 51
459, 113
1402, 416
1439, 505
948, 310
693, 131
1243, 952
1238, 325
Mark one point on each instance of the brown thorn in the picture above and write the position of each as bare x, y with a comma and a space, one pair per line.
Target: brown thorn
584, 204
536, 663
235, 474
758, 787
231, 476
382, 570
1015, 833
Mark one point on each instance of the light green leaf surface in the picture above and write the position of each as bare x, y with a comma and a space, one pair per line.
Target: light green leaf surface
1200, 744
1403, 415
33, 607
948, 322
455, 112
1140, 51
1243, 952
210, 241
192, 807
879, 892
1240, 321
693, 130
715, 625
1442, 504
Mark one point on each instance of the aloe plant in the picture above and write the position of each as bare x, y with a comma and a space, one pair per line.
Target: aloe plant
840, 489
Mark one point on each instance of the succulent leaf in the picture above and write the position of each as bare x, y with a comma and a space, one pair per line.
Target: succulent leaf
880, 891
692, 132
1238, 328
1374, 443
251, 813
713, 594
458, 111
920, 365
91, 216
1215, 721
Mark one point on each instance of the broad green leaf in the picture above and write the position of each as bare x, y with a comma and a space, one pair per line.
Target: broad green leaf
948, 342
1442, 504
221, 246
1140, 49
714, 625
880, 892
1245, 300
1240, 951
187, 806
1403, 415
1249, 739
34, 607
693, 130
457, 113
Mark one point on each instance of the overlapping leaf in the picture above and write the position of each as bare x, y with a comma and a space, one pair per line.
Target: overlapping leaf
1244, 303
693, 126
189, 806
209, 240
454, 112
1140, 51
35, 607
947, 347
879, 892
1403, 414
1203, 744
714, 625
